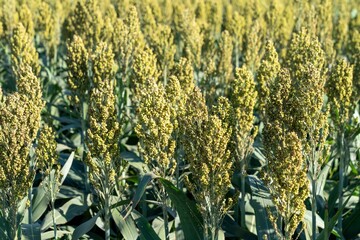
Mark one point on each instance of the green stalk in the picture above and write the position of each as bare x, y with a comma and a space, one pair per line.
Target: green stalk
30, 205
214, 234
30, 193
107, 208
53, 215
52, 184
313, 196
313, 208
84, 136
164, 210
242, 201
14, 229
341, 147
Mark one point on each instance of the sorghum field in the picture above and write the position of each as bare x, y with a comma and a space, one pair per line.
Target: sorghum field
180, 119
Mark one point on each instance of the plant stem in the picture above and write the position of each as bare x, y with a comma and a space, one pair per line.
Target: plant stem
164, 209
313, 208
341, 147
14, 227
107, 209
30, 205
84, 136
242, 201
53, 215
31, 167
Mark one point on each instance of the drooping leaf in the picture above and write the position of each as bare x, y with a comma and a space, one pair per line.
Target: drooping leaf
351, 224
159, 226
148, 177
134, 161
65, 169
65, 213
31, 231
5, 228
50, 234
190, 218
321, 181
40, 203
329, 226
319, 220
126, 226
85, 227
147, 232
232, 229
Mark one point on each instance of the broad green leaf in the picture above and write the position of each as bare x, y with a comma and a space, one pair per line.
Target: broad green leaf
329, 226
319, 220
351, 224
232, 229
126, 226
69, 192
190, 218
148, 177
65, 169
261, 202
50, 234
40, 203
221, 235
85, 227
22, 210
321, 181
67, 120
5, 228
159, 227
65, 213
31, 231
61, 147
333, 197
134, 161
68, 127
147, 232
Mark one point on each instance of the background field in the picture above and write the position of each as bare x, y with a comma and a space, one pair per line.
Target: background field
195, 119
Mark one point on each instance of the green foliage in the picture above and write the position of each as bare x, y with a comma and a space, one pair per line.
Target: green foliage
206, 119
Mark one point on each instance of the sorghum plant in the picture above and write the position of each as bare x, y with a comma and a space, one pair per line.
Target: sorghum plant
128, 42
235, 26
285, 173
86, 21
242, 98
155, 128
104, 130
20, 121
48, 27
266, 75
210, 163
47, 158
306, 61
26, 19
339, 91
78, 81
23, 52
191, 36
161, 40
